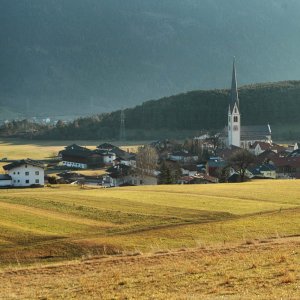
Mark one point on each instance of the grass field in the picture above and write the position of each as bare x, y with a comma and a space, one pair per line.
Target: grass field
20, 149
159, 242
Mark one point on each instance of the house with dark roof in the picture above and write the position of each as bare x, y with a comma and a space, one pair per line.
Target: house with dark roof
106, 146
266, 170
287, 167
25, 172
75, 156
182, 156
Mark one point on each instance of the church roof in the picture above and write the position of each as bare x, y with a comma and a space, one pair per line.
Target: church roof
252, 133
234, 96
256, 132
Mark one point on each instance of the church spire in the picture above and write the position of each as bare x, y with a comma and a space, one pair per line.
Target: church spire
234, 91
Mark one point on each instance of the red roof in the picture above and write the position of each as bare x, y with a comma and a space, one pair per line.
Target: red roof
293, 162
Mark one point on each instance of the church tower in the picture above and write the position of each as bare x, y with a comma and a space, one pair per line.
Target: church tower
234, 116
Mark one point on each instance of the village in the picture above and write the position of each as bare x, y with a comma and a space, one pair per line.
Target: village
197, 161
236, 154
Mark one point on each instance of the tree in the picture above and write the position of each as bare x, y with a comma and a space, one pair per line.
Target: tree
215, 140
169, 173
146, 160
240, 161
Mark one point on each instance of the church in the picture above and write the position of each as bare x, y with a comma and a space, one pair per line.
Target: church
234, 133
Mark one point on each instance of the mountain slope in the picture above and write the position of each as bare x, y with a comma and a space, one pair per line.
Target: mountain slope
273, 103
76, 57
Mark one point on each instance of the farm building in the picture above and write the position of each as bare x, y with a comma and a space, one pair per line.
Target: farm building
25, 173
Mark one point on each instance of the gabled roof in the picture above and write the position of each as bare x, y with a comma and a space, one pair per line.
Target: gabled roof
106, 146
22, 162
77, 152
123, 154
118, 170
256, 132
295, 153
182, 153
293, 162
262, 145
76, 147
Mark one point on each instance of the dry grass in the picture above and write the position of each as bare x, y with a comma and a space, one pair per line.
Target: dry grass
70, 222
218, 273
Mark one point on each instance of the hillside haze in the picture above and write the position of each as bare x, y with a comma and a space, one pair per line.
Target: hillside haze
75, 57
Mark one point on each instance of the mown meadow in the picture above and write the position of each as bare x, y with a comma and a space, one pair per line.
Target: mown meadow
65, 222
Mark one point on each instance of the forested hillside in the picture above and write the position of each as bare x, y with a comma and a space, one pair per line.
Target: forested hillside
274, 103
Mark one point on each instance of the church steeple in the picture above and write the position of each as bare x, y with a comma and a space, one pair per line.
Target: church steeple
234, 91
234, 117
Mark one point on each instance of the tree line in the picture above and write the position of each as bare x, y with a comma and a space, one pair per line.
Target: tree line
273, 103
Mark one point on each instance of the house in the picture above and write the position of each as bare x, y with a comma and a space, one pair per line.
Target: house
182, 156
198, 179
25, 173
189, 170
146, 179
259, 147
106, 146
204, 178
287, 167
117, 175
214, 166
266, 170
5, 180
75, 156
108, 157
125, 158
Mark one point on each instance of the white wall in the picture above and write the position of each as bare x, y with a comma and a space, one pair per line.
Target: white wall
27, 175
109, 158
71, 164
234, 128
5, 182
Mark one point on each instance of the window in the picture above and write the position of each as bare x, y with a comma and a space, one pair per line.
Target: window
27, 173
27, 181
14, 173
25, 166
37, 181
235, 119
18, 180
18, 173
37, 173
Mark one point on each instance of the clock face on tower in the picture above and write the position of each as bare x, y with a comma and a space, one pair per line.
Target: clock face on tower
235, 127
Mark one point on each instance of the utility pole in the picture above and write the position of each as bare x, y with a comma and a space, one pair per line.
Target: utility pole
122, 126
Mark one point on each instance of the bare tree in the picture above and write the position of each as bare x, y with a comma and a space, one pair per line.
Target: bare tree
240, 161
146, 160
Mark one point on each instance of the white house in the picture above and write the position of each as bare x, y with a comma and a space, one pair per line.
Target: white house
25, 173
108, 157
